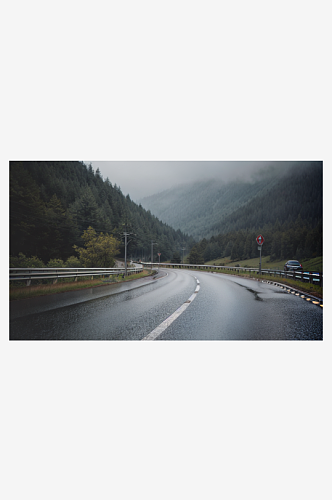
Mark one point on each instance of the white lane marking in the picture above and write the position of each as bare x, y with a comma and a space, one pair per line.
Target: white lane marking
168, 321
161, 277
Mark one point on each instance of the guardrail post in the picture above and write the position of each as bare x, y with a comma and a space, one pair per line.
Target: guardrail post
28, 282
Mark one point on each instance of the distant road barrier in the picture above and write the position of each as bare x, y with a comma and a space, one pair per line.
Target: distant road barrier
308, 277
54, 273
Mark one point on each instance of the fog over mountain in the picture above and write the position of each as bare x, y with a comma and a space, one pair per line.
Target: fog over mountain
203, 208
140, 179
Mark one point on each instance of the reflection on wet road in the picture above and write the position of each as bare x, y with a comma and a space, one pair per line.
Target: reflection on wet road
226, 308
125, 315
233, 308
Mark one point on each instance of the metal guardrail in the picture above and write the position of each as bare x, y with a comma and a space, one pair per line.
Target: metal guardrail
304, 276
308, 276
54, 273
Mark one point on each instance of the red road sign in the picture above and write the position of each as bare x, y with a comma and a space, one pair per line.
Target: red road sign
159, 254
260, 240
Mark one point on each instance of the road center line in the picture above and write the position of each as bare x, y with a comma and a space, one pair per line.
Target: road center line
165, 324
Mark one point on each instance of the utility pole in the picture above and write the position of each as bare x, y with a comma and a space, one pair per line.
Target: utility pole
125, 234
152, 243
183, 249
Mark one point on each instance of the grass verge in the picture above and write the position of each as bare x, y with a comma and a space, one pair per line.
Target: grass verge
315, 290
25, 292
315, 264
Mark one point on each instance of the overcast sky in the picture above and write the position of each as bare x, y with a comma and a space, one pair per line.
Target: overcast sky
144, 178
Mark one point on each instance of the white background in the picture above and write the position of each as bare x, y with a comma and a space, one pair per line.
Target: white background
172, 80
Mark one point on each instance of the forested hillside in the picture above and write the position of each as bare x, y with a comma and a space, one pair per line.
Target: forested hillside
299, 193
53, 202
291, 240
197, 207
211, 207
289, 215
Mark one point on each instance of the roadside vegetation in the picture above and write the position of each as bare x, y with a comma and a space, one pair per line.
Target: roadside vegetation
314, 264
65, 215
19, 291
309, 288
52, 204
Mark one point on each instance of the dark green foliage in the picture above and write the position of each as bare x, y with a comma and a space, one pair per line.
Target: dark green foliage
212, 250
283, 193
176, 259
22, 261
291, 240
53, 202
196, 255
55, 263
73, 262
298, 195
287, 209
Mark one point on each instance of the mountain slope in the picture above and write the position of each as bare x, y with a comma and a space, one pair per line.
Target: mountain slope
211, 207
53, 202
299, 193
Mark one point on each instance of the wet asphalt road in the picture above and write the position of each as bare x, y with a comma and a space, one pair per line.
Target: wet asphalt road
225, 308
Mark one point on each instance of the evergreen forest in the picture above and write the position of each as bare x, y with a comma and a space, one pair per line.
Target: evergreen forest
289, 214
281, 191
52, 204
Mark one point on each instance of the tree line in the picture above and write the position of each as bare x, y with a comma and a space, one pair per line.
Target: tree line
299, 193
282, 191
289, 214
290, 240
52, 204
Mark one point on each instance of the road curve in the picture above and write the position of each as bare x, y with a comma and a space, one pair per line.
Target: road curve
127, 311
236, 308
225, 308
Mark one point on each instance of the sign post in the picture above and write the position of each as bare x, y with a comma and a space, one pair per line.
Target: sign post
260, 241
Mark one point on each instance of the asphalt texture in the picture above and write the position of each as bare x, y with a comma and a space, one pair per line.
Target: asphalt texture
225, 308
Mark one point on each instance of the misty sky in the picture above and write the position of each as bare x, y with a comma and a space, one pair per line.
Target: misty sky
144, 178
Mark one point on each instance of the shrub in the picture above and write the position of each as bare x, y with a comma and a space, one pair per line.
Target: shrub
22, 261
55, 263
73, 262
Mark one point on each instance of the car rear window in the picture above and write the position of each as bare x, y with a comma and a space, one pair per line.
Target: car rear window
294, 263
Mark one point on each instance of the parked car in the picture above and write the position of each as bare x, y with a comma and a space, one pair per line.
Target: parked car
293, 265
